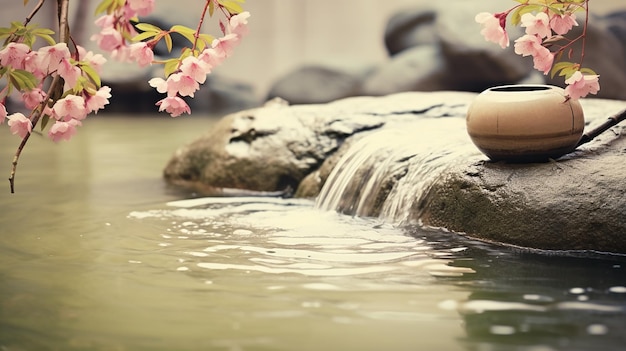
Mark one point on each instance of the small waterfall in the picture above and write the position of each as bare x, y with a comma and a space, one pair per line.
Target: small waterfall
386, 174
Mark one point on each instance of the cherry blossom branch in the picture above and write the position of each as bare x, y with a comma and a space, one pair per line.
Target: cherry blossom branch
196, 35
54, 86
34, 11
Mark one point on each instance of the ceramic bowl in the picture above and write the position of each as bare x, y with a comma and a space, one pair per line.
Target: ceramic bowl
525, 123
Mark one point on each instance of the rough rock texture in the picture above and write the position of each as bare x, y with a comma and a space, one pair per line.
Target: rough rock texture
575, 203
266, 149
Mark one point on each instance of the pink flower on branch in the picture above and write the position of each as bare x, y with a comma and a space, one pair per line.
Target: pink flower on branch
543, 60
195, 68
225, 45
142, 7
173, 105
494, 27
62, 130
13, 55
50, 56
537, 24
97, 101
179, 83
19, 125
238, 24
527, 45
579, 85
33, 97
561, 24
141, 53
70, 107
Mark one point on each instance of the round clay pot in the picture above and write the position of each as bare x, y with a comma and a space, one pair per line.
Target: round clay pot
525, 123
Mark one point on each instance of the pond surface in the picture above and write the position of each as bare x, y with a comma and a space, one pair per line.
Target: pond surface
98, 253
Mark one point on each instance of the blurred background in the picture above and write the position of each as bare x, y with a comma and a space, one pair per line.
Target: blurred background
314, 51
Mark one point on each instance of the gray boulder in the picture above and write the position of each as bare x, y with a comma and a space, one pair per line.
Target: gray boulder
314, 84
575, 203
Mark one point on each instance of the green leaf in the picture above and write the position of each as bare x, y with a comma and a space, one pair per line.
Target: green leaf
92, 75
44, 121
144, 36
559, 67
588, 71
211, 7
232, 6
170, 66
22, 80
48, 39
207, 39
185, 31
103, 6
516, 17
168, 42
147, 27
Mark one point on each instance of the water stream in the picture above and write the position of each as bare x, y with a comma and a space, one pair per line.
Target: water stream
98, 253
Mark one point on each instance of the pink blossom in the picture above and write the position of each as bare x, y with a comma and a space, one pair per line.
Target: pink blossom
543, 60
142, 7
537, 24
3, 113
225, 45
527, 45
182, 84
33, 97
173, 105
96, 61
14, 55
493, 28
50, 56
106, 21
62, 130
70, 107
211, 57
159, 84
195, 68
69, 73
141, 53
97, 101
19, 124
579, 85
561, 24
238, 24
108, 39
32, 64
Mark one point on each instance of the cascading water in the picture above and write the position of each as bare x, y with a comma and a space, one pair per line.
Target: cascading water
387, 174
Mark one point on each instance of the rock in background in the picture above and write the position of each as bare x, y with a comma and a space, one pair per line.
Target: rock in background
438, 47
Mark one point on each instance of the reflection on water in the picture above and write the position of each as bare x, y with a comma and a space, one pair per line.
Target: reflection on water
96, 253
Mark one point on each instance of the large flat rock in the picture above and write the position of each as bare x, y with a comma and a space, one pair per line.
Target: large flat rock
577, 202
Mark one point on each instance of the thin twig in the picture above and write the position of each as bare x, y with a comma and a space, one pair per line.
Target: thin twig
612, 121
54, 86
56, 81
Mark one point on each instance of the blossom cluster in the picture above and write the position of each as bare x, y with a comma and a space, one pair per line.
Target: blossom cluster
545, 24
27, 69
184, 74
